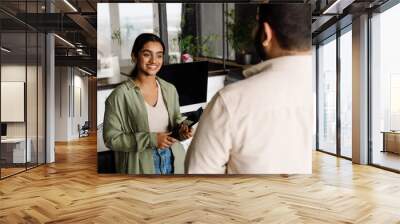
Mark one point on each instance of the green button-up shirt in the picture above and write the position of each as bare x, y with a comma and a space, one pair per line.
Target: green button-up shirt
126, 128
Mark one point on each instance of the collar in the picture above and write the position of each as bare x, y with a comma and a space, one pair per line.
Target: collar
279, 63
131, 84
255, 69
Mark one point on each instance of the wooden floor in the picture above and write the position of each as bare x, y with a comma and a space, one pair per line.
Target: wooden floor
387, 159
10, 171
70, 191
5, 172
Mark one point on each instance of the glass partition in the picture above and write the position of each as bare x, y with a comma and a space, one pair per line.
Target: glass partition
31, 98
327, 96
14, 153
41, 97
22, 87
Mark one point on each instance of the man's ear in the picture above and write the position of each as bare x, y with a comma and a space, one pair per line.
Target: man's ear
268, 35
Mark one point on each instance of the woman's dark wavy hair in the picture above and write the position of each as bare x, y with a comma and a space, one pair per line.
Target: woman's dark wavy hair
140, 41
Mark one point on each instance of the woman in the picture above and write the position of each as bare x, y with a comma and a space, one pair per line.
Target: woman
140, 114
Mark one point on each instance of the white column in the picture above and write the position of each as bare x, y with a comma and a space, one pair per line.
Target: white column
360, 90
50, 99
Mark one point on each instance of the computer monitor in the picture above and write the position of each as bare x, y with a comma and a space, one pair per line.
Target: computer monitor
3, 129
189, 79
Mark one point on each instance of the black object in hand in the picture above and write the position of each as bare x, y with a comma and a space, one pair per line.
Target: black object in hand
194, 116
192, 119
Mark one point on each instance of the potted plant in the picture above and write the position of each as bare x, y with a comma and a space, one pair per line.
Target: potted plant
239, 35
191, 46
116, 36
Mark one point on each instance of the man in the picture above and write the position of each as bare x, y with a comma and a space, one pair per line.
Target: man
263, 124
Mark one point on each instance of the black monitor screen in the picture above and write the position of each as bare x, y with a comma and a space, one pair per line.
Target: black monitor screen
3, 129
189, 79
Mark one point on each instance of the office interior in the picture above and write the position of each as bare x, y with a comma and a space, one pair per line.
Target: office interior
207, 33
357, 84
47, 91
59, 77
333, 65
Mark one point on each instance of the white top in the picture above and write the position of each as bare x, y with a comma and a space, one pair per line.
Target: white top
260, 125
158, 114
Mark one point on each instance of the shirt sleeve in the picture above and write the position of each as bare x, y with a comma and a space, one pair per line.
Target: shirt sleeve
210, 148
118, 140
177, 112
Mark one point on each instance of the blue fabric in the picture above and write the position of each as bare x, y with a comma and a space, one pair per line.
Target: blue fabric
163, 161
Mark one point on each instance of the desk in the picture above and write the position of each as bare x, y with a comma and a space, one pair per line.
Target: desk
15, 148
391, 141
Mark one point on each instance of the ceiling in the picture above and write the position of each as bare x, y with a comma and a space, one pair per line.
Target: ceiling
72, 20
76, 22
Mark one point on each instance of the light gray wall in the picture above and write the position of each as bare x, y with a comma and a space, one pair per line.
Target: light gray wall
62, 80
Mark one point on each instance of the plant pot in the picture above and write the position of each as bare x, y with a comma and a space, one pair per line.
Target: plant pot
244, 59
247, 59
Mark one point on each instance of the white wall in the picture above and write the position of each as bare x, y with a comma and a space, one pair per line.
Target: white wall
314, 85
79, 117
101, 99
33, 126
17, 73
62, 81
70, 83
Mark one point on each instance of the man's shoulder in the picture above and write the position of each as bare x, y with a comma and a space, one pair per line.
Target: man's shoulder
241, 87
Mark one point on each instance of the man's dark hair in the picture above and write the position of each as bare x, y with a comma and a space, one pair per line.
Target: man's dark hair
290, 22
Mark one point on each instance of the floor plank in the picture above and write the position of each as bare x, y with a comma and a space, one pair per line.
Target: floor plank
71, 191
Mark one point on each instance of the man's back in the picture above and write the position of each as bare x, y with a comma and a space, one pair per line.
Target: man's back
260, 125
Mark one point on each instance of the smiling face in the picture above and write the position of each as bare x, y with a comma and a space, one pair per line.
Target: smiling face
150, 58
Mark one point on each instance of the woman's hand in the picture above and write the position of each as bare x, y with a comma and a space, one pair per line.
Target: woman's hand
164, 140
185, 132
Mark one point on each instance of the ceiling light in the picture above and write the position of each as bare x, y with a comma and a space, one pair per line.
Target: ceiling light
5, 50
86, 72
337, 7
70, 5
65, 41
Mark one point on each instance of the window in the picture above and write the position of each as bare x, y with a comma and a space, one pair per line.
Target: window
174, 15
385, 88
346, 93
327, 96
134, 19
119, 24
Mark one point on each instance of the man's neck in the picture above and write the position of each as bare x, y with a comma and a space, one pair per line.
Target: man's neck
282, 52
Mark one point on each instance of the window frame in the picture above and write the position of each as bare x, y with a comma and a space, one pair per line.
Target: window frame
333, 37
378, 10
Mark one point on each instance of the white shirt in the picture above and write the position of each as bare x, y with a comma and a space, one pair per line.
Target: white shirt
261, 125
158, 114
